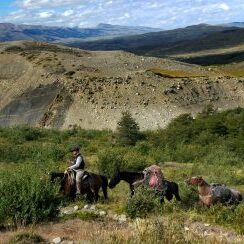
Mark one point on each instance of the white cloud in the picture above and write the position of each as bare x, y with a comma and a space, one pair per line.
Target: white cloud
224, 6
30, 4
165, 14
45, 15
68, 13
109, 2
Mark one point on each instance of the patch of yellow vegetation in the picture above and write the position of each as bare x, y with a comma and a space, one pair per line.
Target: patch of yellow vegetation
176, 73
235, 72
231, 70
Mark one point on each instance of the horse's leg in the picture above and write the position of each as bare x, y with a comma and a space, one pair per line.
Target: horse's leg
89, 196
96, 195
132, 190
169, 196
162, 199
104, 187
176, 192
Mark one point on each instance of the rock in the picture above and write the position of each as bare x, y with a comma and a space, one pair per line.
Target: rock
102, 213
93, 207
170, 90
76, 208
86, 206
206, 225
57, 240
186, 228
122, 218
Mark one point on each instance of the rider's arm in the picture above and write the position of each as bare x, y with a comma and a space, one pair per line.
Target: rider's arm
79, 163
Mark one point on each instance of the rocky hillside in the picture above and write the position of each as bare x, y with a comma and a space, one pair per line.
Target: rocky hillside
55, 86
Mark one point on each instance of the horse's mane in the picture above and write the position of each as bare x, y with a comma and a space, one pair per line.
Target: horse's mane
70, 177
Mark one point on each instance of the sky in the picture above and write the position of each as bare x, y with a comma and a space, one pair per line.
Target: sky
165, 14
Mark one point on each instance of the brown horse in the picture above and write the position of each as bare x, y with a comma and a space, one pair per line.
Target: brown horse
90, 186
210, 194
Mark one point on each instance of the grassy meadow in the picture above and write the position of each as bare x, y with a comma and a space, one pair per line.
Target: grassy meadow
211, 145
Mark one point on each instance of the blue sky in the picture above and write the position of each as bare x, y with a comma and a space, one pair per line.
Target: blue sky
166, 14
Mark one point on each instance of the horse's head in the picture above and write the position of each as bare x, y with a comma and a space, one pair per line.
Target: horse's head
196, 180
55, 175
114, 180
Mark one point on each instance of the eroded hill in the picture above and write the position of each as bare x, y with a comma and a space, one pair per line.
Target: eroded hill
54, 86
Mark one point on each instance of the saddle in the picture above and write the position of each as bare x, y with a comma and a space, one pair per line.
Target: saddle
72, 175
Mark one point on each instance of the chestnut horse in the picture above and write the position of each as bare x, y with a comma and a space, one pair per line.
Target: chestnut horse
210, 194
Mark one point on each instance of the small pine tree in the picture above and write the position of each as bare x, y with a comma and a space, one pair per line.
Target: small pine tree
128, 131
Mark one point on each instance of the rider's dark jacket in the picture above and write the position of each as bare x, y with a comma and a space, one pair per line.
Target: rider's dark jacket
78, 163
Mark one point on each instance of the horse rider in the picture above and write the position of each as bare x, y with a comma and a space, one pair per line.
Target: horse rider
78, 165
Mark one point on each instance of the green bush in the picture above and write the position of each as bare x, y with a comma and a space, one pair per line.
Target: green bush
27, 198
123, 159
144, 201
110, 160
226, 215
26, 238
189, 195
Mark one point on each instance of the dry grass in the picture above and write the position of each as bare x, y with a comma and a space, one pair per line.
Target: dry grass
76, 230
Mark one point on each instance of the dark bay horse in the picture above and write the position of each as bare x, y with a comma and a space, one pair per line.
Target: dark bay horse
89, 186
171, 190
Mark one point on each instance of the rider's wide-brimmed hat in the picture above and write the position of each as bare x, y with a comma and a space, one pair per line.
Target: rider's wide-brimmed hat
75, 148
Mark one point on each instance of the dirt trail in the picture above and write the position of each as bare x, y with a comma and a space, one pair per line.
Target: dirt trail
106, 226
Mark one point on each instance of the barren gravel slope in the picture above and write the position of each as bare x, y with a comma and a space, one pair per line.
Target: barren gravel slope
54, 86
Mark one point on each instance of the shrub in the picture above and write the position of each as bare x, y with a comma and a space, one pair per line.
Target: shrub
110, 160
26, 198
188, 194
123, 159
26, 238
144, 202
226, 215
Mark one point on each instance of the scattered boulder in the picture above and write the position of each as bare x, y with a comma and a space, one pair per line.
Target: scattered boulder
57, 240
122, 218
76, 208
102, 213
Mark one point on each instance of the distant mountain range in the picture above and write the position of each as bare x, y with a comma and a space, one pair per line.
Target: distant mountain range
163, 42
196, 44
235, 24
11, 32
186, 41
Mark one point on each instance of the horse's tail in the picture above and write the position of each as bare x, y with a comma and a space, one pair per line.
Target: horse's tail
240, 197
236, 195
105, 186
